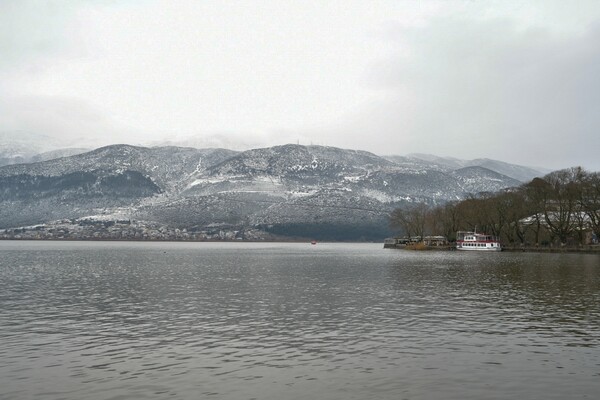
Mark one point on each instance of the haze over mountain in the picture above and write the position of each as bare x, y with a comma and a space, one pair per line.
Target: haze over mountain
519, 172
290, 190
504, 80
25, 147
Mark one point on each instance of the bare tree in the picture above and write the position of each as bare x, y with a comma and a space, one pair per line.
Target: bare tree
399, 219
562, 205
411, 220
534, 193
515, 210
590, 200
561, 201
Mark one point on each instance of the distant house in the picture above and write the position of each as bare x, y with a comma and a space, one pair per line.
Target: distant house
405, 240
435, 240
580, 223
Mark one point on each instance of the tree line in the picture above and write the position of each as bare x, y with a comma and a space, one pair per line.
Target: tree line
562, 207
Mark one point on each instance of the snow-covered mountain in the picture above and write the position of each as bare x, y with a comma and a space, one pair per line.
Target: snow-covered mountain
519, 172
168, 167
310, 191
17, 147
58, 153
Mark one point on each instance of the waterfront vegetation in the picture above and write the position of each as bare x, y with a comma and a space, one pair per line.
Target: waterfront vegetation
559, 209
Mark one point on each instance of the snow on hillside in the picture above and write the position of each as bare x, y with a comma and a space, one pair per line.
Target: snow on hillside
288, 186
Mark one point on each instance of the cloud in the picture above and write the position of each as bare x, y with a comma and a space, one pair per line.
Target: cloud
33, 29
71, 122
467, 79
469, 89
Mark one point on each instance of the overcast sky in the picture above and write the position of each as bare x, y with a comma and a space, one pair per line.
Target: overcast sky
517, 81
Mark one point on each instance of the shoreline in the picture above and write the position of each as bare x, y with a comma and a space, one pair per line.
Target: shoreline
592, 249
179, 240
589, 249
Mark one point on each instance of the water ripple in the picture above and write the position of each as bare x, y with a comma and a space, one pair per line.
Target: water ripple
116, 321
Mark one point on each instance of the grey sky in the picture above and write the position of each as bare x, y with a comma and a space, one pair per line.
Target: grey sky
515, 81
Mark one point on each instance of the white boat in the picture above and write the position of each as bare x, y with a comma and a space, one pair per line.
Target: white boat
474, 241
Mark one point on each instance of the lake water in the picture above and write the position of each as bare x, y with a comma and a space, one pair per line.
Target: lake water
105, 320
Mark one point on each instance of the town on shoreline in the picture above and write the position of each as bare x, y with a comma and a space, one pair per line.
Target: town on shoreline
128, 230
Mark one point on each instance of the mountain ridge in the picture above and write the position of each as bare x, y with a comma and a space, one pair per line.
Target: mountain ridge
290, 188
519, 172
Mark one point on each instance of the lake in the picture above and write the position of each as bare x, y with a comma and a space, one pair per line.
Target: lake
134, 320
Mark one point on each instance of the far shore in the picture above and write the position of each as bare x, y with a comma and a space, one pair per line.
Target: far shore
279, 240
554, 249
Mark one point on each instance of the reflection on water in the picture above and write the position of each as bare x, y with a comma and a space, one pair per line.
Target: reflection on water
294, 321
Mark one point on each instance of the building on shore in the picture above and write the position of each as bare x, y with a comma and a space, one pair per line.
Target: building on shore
401, 242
